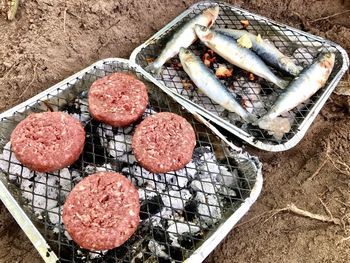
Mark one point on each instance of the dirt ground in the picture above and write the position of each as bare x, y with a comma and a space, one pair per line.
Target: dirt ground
50, 40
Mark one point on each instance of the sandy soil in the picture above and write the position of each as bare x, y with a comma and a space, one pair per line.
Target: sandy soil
50, 40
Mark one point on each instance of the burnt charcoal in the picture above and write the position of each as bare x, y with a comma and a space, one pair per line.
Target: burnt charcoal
160, 234
186, 240
72, 107
199, 151
176, 253
163, 260
190, 211
150, 207
94, 152
120, 252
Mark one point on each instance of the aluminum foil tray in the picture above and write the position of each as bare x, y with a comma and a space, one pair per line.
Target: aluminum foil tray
258, 95
184, 214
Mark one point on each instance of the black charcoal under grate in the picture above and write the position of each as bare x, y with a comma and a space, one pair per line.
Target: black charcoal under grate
257, 95
179, 210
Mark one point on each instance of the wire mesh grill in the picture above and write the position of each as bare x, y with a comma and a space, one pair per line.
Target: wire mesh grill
257, 96
179, 210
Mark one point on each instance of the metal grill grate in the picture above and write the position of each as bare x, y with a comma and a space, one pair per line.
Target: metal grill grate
179, 210
257, 96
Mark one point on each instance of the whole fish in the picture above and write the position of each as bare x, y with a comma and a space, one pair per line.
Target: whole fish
304, 86
266, 50
184, 37
206, 81
227, 47
301, 88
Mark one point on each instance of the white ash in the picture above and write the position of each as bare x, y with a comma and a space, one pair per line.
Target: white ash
145, 178
214, 178
105, 132
208, 209
148, 112
146, 194
208, 169
165, 213
65, 180
127, 158
67, 235
227, 181
176, 229
206, 185
76, 176
97, 254
157, 249
179, 179
84, 115
190, 170
10, 164
41, 190
54, 215
207, 156
176, 199
119, 145
90, 169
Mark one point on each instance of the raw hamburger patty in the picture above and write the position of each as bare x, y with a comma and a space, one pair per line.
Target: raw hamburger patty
118, 99
163, 142
102, 211
48, 141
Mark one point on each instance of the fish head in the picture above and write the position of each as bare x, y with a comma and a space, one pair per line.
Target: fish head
212, 14
328, 58
204, 33
186, 57
327, 63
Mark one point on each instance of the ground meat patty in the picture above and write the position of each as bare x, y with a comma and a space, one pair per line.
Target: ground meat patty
163, 142
48, 141
118, 99
102, 211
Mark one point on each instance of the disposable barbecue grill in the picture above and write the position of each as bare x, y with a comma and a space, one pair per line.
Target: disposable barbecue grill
258, 95
184, 214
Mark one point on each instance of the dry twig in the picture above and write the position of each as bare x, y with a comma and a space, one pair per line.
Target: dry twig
330, 16
253, 218
12, 9
34, 77
326, 208
344, 239
293, 209
328, 149
64, 19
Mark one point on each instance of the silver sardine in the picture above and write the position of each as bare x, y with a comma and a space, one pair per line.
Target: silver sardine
206, 81
266, 50
184, 37
227, 47
301, 89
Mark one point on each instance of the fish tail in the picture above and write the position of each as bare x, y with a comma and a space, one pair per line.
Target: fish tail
154, 69
277, 126
282, 84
